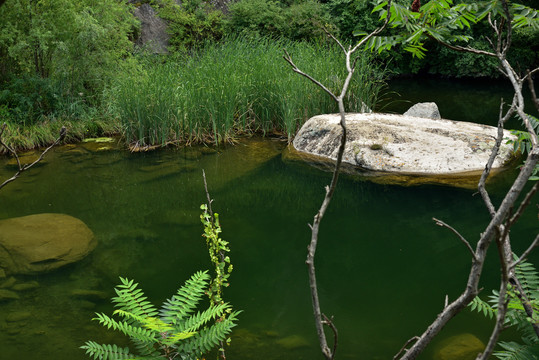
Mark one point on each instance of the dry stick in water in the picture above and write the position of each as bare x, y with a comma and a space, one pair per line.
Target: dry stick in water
322, 319
222, 353
497, 227
22, 168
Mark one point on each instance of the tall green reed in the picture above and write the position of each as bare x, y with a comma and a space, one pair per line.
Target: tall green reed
238, 85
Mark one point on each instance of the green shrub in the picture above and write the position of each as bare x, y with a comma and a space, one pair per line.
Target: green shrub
191, 23
256, 18
29, 99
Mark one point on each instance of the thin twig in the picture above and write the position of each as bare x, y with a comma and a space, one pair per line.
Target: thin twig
443, 224
210, 200
524, 204
288, 59
415, 338
329, 323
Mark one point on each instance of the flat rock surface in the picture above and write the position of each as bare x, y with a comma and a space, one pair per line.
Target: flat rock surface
43, 242
404, 144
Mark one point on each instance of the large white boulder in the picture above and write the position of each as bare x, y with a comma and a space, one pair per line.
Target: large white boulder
407, 145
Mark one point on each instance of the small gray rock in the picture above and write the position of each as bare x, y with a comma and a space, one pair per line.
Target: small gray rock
428, 110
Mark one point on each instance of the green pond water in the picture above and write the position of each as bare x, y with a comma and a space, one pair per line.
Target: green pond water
383, 266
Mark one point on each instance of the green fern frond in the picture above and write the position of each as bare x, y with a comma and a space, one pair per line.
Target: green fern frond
106, 352
516, 351
132, 299
184, 303
528, 277
482, 306
146, 350
210, 337
134, 332
197, 321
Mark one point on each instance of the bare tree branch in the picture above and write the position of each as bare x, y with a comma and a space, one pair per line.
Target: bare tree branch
488, 167
288, 59
529, 77
443, 224
524, 204
505, 255
22, 168
319, 318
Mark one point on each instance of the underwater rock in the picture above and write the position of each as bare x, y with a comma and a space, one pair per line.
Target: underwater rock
26, 158
31, 285
419, 149
459, 347
8, 283
293, 342
18, 316
43, 242
99, 144
89, 294
2, 274
8, 295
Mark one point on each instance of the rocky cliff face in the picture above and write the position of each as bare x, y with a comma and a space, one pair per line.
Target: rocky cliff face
153, 30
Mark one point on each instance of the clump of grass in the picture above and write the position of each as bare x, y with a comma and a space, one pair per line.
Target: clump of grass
239, 85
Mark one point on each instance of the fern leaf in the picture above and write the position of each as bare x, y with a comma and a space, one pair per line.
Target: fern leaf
209, 337
106, 352
515, 351
482, 306
134, 332
132, 299
181, 305
197, 321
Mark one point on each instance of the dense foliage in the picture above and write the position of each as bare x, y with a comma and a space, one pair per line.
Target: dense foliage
65, 62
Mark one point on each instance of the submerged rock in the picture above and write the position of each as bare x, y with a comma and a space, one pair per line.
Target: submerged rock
293, 342
43, 242
8, 295
459, 347
18, 316
31, 285
398, 145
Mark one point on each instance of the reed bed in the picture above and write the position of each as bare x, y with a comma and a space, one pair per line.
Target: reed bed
232, 87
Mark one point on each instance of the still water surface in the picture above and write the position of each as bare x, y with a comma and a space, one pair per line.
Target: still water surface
383, 267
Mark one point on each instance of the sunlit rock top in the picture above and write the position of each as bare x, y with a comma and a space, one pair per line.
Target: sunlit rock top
404, 144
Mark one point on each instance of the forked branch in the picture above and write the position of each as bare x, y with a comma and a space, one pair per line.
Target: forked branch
320, 319
24, 167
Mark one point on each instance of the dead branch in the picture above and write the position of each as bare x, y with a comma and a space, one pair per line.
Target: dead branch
499, 137
21, 167
320, 319
494, 228
443, 224
524, 204
403, 349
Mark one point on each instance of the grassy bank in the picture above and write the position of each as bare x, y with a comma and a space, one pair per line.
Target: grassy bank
233, 87
214, 94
